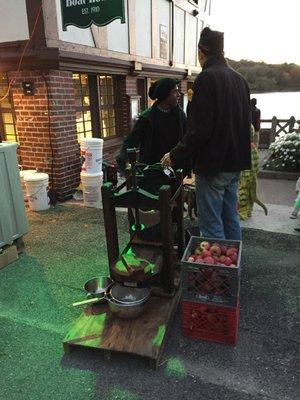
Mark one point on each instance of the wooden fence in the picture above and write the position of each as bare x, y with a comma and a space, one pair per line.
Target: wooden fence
276, 126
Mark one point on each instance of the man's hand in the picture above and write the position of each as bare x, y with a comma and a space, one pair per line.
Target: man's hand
166, 160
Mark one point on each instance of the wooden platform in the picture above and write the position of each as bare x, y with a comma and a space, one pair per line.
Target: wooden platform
144, 336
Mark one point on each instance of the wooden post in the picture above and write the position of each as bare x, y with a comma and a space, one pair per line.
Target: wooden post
291, 124
179, 214
273, 130
167, 273
110, 224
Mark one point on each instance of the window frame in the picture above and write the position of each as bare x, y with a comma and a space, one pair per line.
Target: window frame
115, 106
83, 108
8, 110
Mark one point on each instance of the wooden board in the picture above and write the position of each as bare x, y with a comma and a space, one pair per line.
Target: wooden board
144, 336
8, 255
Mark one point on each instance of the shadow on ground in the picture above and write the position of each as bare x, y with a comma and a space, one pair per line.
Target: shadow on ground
65, 247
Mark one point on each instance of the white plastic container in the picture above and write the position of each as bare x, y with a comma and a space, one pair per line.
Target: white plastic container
36, 191
91, 189
92, 152
23, 173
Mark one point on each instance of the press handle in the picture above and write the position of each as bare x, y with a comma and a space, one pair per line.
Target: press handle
87, 301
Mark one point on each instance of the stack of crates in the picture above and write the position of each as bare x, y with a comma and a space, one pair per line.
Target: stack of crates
210, 294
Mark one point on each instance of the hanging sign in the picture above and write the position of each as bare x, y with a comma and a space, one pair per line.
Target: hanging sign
84, 13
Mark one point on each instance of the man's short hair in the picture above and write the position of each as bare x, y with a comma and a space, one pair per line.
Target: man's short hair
211, 42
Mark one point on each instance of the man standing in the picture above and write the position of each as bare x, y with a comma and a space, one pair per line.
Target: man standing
255, 117
218, 139
159, 128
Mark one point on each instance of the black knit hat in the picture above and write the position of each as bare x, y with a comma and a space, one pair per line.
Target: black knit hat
161, 89
211, 42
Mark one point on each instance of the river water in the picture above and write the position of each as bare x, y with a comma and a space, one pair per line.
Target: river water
282, 105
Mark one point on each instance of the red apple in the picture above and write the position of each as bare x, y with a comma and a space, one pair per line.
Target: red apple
228, 261
230, 251
198, 259
209, 260
233, 258
206, 253
223, 250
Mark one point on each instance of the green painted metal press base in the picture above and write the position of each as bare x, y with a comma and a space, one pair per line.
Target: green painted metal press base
144, 336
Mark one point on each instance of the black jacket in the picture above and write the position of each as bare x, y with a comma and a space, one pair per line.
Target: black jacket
145, 135
218, 138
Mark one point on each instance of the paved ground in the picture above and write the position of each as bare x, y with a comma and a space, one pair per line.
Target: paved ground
65, 247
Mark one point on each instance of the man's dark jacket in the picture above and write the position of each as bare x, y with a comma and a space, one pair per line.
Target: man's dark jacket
218, 138
143, 136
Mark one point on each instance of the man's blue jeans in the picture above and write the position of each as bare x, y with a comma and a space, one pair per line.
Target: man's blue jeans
217, 206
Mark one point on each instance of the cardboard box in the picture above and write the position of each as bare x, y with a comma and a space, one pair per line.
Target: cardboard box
8, 255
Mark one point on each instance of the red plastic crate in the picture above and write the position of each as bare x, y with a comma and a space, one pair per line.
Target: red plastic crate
210, 322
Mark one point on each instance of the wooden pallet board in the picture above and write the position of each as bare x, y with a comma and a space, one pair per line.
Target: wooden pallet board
144, 336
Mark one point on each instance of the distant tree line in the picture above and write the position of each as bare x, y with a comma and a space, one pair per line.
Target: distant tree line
264, 77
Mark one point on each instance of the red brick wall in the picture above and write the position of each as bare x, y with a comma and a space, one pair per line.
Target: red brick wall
39, 141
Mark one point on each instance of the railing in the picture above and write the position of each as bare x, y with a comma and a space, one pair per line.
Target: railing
276, 126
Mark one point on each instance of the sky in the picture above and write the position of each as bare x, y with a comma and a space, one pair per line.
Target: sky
259, 30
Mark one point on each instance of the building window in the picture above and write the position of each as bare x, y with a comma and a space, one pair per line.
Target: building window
8, 129
107, 106
82, 105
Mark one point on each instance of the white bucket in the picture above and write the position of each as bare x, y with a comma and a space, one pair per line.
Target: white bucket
36, 191
91, 150
23, 173
91, 189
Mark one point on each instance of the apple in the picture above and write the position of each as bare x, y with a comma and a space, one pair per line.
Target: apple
198, 251
231, 250
215, 250
227, 261
209, 260
204, 245
223, 250
198, 259
191, 259
206, 253
233, 258
222, 259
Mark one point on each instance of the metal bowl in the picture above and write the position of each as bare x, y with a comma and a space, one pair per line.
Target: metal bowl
128, 295
97, 287
131, 309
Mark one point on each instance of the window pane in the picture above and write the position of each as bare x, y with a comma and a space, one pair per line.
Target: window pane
89, 134
86, 101
104, 114
9, 129
7, 118
87, 115
88, 126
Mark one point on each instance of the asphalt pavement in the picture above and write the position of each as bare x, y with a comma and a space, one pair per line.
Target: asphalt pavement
66, 246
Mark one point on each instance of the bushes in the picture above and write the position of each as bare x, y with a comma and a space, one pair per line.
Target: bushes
285, 153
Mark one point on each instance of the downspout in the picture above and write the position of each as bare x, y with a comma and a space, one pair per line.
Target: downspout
171, 62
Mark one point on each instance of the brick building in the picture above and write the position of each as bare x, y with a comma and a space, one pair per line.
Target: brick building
87, 82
